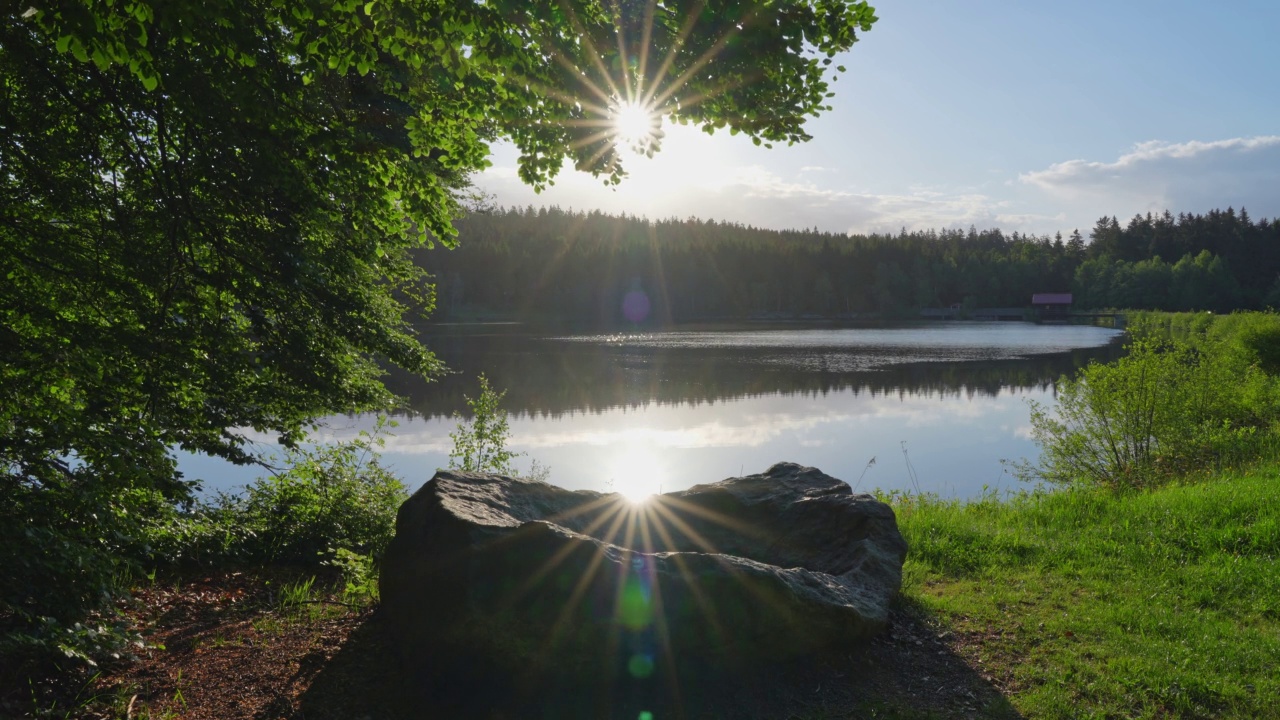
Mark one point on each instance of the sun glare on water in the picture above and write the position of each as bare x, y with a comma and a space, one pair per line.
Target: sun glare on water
637, 474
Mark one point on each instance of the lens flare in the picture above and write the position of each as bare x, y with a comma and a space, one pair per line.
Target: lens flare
635, 126
635, 606
640, 666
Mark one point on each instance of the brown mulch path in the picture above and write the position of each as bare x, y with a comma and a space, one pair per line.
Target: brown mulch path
224, 649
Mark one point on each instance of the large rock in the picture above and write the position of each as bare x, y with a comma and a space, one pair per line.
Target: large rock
502, 574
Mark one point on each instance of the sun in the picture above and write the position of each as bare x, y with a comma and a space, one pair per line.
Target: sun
635, 126
637, 474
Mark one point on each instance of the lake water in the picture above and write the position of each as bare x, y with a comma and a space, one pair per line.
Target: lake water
933, 407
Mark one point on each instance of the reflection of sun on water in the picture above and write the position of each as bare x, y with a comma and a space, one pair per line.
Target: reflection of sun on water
637, 473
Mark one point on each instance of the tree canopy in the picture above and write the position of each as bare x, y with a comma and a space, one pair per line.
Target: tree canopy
206, 207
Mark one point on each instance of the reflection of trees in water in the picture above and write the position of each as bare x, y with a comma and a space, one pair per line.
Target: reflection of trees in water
546, 377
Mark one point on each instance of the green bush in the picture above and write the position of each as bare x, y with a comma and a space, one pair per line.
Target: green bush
329, 497
480, 444
325, 498
1255, 336
1165, 410
359, 576
68, 541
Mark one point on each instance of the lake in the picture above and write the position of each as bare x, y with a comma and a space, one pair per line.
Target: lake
928, 407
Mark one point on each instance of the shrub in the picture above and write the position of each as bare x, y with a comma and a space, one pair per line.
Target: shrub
1164, 410
1254, 335
480, 444
359, 576
67, 541
329, 497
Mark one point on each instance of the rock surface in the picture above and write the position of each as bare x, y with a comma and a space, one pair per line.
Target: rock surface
503, 574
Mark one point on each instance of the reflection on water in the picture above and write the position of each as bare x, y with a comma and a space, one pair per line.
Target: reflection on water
555, 375
937, 407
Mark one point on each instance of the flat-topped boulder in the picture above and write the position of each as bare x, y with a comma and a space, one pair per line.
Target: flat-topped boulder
505, 574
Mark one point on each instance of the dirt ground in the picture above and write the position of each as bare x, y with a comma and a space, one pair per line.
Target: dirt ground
223, 648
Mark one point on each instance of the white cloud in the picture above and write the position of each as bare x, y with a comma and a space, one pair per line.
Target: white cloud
725, 179
1193, 176
1030, 219
712, 178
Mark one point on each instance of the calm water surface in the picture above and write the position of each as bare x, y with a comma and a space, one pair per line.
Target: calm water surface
930, 407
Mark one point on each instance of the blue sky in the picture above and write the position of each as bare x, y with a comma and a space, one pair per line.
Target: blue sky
1031, 116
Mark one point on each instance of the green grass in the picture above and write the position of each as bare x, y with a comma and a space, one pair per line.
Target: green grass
1093, 604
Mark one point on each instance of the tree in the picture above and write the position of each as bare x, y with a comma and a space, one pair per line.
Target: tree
1107, 239
206, 208
1075, 246
480, 444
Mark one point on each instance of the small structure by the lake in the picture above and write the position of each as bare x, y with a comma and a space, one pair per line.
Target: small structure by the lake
1052, 307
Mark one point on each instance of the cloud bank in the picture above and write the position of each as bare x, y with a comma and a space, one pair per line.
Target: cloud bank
1193, 176
697, 176
694, 176
756, 196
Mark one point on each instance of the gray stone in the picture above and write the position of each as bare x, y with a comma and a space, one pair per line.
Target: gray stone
510, 575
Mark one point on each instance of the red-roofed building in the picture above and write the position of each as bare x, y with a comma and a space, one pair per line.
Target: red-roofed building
1052, 304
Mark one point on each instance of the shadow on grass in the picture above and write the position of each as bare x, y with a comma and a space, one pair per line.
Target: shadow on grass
909, 672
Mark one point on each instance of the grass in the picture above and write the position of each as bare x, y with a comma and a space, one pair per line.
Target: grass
1094, 604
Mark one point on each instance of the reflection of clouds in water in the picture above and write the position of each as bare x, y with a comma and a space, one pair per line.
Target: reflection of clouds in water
921, 413
341, 428
955, 444
755, 430
752, 423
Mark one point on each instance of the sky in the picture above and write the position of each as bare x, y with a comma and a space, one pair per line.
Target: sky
1029, 116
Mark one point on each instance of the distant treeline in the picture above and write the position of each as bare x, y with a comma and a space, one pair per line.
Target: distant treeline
551, 264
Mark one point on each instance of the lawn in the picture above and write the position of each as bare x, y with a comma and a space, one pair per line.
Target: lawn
1095, 604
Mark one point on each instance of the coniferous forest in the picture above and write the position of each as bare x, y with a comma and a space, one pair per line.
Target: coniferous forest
552, 264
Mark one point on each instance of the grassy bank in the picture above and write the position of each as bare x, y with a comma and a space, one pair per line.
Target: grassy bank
1088, 603
1076, 604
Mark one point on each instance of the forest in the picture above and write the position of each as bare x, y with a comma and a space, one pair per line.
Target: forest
550, 264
